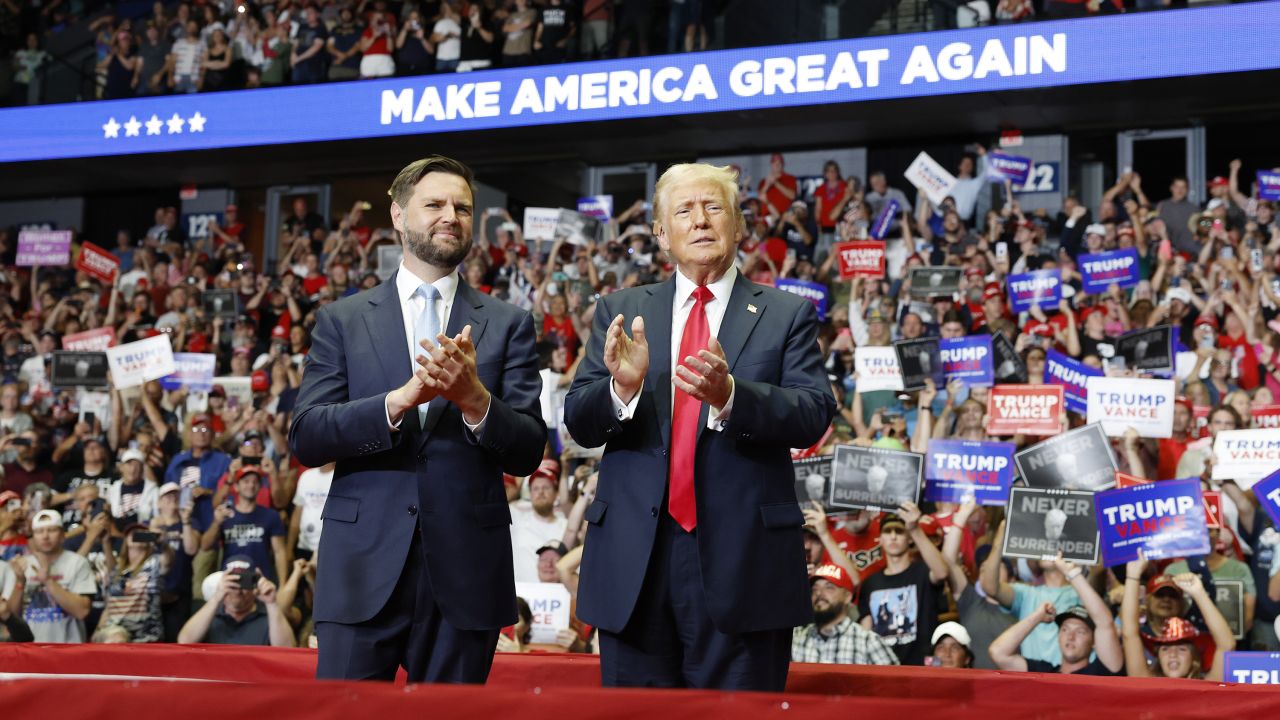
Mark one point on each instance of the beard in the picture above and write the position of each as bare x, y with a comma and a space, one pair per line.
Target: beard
434, 253
827, 614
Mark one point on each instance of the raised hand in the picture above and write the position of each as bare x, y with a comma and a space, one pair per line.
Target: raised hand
627, 358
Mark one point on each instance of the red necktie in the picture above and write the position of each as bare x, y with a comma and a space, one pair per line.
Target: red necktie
684, 419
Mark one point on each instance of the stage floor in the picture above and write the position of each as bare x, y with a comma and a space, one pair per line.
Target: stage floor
209, 681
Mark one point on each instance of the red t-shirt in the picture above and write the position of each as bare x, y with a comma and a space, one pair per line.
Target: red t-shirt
562, 333
1171, 450
1241, 350
863, 548
312, 285
774, 198
379, 46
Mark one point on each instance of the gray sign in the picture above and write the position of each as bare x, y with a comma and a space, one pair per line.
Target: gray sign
1080, 459
874, 478
1042, 522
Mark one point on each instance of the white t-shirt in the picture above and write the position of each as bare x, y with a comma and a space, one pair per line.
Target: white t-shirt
313, 491
550, 389
450, 49
8, 578
48, 621
530, 531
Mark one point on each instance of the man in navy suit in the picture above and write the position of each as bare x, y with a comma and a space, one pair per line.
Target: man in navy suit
693, 567
424, 392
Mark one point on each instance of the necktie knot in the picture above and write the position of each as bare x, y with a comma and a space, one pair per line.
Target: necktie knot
702, 294
428, 292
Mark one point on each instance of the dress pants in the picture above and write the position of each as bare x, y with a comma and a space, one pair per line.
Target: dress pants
670, 640
409, 632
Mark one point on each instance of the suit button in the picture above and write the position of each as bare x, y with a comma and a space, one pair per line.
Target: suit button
653, 511
422, 457
413, 509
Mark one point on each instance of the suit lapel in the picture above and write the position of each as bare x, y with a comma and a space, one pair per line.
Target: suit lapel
736, 326
385, 323
657, 318
467, 310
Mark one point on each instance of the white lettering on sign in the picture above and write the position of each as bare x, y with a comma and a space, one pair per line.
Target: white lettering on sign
1148, 509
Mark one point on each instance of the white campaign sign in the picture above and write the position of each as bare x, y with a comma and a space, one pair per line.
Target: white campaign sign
549, 603
930, 178
1120, 403
877, 369
540, 223
137, 362
1245, 456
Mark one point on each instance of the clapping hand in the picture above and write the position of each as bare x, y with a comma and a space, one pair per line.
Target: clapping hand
627, 358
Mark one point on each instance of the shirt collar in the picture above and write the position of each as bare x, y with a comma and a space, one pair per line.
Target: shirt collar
720, 288
407, 284
841, 628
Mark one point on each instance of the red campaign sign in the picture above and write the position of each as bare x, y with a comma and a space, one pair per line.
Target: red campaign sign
1265, 416
1124, 481
1200, 418
1024, 410
864, 258
1212, 500
98, 263
90, 340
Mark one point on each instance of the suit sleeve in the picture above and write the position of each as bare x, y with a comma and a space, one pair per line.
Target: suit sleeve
588, 408
514, 429
795, 413
327, 424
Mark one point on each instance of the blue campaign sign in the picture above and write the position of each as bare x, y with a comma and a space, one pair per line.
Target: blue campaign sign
1163, 519
1015, 168
968, 359
1045, 177
194, 371
1251, 668
1268, 185
884, 220
957, 468
1073, 376
1102, 270
815, 293
976, 60
1268, 492
1039, 287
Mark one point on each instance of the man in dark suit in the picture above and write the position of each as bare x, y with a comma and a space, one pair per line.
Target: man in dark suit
694, 566
415, 561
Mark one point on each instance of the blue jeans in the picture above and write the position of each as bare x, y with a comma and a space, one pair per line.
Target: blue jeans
443, 66
184, 83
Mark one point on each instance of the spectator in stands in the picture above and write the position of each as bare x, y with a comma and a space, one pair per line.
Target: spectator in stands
13, 541
1038, 640
173, 524
533, 523
185, 57
24, 470
415, 51
797, 228
54, 587
306, 524
249, 529
596, 20
135, 581
241, 611
952, 646
375, 46
28, 66
834, 636
477, 40
215, 66
879, 192
277, 49
1083, 630
981, 617
1180, 648
1176, 213
830, 201
777, 190
133, 498
556, 33
900, 603
1225, 569
121, 67
517, 45
344, 46
1011, 11
446, 35
308, 58
200, 467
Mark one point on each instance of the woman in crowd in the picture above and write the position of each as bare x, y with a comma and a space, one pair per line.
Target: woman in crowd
1180, 648
135, 581
215, 70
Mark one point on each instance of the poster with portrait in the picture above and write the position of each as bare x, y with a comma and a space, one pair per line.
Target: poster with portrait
220, 304
1042, 522
79, 369
935, 281
813, 482
1077, 460
1009, 366
920, 360
874, 478
1229, 597
1147, 350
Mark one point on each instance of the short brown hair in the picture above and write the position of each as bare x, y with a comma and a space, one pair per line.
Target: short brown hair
402, 187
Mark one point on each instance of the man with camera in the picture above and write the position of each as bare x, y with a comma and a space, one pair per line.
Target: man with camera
247, 528
241, 611
24, 470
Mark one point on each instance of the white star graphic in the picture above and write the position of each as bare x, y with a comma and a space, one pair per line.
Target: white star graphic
175, 124
153, 125
111, 129
197, 122
132, 127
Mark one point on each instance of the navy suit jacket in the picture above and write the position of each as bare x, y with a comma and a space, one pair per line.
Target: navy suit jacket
439, 475
749, 538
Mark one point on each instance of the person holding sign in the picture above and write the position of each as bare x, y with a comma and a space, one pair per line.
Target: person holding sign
1226, 569
1180, 648
1040, 642
693, 568
1082, 631
424, 392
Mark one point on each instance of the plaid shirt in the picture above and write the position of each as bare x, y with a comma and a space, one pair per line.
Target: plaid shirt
848, 644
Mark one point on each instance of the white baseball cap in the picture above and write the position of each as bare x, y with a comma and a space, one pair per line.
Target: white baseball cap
46, 518
955, 630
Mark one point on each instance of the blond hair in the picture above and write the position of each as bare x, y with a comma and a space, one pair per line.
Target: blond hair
724, 177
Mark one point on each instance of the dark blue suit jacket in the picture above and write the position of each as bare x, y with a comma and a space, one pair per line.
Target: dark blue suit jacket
452, 480
749, 541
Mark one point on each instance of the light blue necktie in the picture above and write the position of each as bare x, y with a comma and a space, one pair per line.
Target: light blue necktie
427, 326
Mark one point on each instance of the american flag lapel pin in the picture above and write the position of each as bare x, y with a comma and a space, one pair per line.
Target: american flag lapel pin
751, 308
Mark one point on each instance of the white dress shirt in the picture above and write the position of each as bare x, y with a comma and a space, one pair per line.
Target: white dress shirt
411, 306
682, 305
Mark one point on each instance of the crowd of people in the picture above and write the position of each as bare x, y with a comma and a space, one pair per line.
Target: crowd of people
182, 47
166, 513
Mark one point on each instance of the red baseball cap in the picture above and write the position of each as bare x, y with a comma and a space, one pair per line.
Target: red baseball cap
200, 419
1161, 582
279, 332
259, 381
549, 469
8, 496
833, 574
992, 289
1207, 318
247, 469
1217, 181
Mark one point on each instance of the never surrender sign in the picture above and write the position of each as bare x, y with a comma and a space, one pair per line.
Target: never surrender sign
1246, 456
874, 478
919, 360
813, 481
1043, 523
1102, 270
956, 469
1076, 460
863, 258
968, 359
1039, 287
1121, 403
1073, 376
1162, 519
1024, 410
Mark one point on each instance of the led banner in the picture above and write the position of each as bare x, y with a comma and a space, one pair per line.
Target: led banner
976, 60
